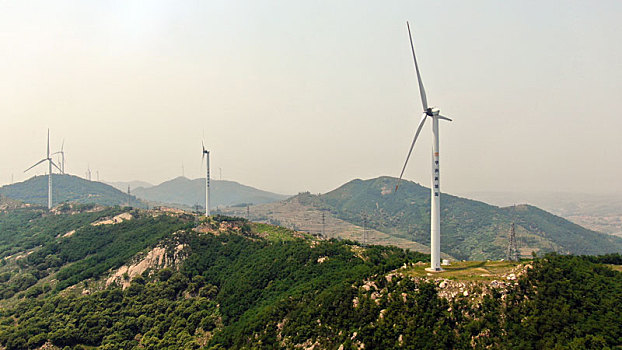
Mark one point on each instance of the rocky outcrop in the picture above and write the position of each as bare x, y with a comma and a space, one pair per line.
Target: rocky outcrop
158, 258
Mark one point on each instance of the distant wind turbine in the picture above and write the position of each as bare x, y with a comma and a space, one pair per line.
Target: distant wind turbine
62, 156
205, 154
435, 220
50, 163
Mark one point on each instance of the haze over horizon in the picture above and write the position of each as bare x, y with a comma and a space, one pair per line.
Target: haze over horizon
291, 97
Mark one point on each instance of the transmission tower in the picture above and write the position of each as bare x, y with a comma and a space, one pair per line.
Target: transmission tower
365, 229
129, 197
323, 224
512, 252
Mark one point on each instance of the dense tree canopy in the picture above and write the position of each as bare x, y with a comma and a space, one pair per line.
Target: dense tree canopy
246, 285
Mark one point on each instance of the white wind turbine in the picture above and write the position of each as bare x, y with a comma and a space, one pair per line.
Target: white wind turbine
62, 155
205, 154
435, 219
50, 163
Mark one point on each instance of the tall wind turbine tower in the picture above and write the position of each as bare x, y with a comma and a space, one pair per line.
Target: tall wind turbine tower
435, 188
205, 155
50, 163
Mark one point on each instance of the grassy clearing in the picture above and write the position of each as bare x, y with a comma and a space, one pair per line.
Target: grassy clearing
276, 233
615, 267
468, 270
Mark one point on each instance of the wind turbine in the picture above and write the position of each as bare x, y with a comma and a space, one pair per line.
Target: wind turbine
50, 163
62, 154
435, 189
205, 154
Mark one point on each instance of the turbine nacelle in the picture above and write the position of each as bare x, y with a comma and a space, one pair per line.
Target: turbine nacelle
204, 152
432, 111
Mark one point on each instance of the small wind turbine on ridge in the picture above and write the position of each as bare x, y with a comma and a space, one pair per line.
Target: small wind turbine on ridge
50, 163
205, 154
435, 189
62, 156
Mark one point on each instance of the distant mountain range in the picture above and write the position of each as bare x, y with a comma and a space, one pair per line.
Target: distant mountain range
179, 192
470, 229
67, 188
188, 193
560, 203
122, 185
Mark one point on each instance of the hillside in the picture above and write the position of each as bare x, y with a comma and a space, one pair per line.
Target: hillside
66, 188
296, 215
470, 229
560, 203
188, 193
8, 203
109, 278
598, 212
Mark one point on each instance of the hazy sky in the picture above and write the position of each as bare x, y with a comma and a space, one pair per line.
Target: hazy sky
293, 96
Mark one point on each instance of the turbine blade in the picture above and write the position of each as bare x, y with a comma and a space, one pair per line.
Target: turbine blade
48, 143
424, 100
411, 149
62, 145
444, 118
54, 164
202, 153
39, 162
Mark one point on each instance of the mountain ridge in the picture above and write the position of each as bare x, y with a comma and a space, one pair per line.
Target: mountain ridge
123, 185
190, 192
67, 188
470, 229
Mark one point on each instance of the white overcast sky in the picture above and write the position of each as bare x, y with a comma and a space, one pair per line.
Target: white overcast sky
293, 96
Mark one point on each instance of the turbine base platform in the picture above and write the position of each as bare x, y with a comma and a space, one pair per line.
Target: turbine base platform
429, 269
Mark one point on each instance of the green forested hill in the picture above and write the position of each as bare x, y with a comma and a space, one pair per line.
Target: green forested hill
42, 251
469, 229
67, 188
247, 285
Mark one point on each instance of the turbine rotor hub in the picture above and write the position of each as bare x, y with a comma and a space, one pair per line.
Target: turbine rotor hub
432, 111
